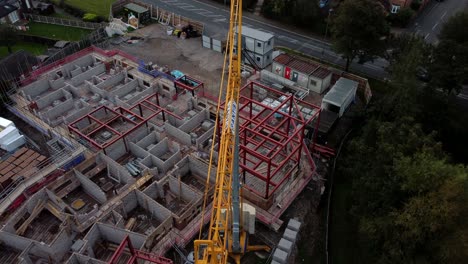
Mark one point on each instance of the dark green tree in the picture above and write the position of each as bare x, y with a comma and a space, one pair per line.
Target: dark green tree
455, 28
9, 36
359, 29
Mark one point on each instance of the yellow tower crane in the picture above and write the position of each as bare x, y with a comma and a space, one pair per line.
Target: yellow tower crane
226, 237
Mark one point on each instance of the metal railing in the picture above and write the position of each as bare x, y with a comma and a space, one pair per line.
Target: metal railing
64, 22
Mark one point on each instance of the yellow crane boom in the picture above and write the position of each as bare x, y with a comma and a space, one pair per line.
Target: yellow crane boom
225, 237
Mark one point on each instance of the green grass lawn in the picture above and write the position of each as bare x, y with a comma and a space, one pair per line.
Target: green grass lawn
98, 7
56, 31
34, 48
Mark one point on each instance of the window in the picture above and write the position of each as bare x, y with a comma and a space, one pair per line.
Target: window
259, 44
269, 42
395, 9
13, 16
313, 83
258, 59
268, 57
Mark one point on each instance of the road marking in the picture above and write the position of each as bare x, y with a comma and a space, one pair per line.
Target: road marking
436, 24
463, 96
442, 17
427, 35
266, 24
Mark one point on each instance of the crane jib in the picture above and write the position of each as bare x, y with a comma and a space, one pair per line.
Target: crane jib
231, 120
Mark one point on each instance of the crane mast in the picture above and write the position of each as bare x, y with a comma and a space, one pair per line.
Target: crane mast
225, 235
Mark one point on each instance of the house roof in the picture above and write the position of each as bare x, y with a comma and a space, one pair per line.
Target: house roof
255, 34
303, 66
6, 9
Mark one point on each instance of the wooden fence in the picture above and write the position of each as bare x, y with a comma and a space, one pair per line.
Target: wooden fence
160, 15
64, 22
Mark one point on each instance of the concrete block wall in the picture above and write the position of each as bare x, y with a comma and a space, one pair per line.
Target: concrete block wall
151, 139
115, 170
31, 91
202, 140
188, 194
180, 135
76, 71
160, 149
166, 88
48, 99
140, 95
91, 188
86, 109
112, 81
96, 90
122, 90
57, 114
57, 248
116, 150
156, 211
138, 134
86, 75
57, 83
81, 63
194, 122
149, 164
137, 151
77, 258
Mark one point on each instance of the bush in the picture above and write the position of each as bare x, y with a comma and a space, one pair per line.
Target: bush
89, 17
415, 5
402, 18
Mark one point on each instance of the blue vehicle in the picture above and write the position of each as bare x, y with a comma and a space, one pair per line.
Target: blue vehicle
323, 3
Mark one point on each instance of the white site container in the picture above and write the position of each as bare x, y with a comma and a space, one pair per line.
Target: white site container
340, 96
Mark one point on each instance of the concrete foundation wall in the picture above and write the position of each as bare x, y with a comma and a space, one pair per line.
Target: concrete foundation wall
116, 150
137, 151
188, 194
80, 63
95, 90
80, 78
36, 88
180, 135
116, 235
149, 164
201, 141
91, 188
162, 148
57, 83
140, 95
194, 122
48, 99
78, 113
125, 89
115, 169
112, 81
14, 241
149, 141
138, 134
81, 259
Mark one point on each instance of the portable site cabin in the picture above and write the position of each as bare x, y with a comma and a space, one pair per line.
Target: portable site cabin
141, 13
340, 96
257, 46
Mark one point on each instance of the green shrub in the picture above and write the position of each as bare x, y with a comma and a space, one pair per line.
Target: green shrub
89, 17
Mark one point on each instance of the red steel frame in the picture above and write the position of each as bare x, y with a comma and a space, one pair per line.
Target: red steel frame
286, 136
178, 83
120, 112
136, 254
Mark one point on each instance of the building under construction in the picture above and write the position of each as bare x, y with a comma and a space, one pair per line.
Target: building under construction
138, 143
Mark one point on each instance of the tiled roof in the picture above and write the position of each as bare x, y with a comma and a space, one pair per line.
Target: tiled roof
18, 164
321, 73
283, 59
302, 66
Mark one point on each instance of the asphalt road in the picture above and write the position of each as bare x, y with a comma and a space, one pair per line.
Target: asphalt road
430, 21
217, 16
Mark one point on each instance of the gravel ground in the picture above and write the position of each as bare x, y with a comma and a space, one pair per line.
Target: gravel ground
186, 55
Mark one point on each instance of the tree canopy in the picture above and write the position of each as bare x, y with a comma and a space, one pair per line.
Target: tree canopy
359, 29
9, 37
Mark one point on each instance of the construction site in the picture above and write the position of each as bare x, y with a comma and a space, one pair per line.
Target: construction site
129, 172
140, 146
